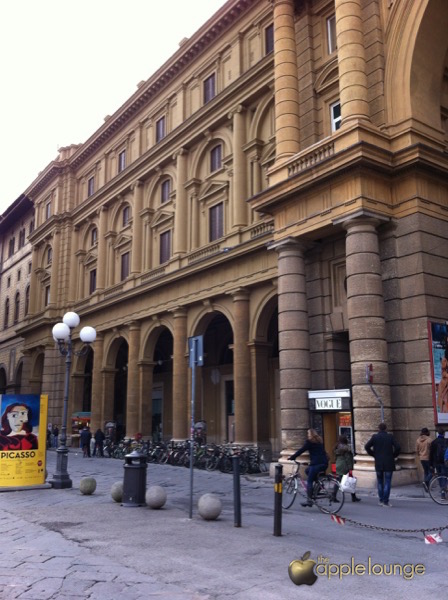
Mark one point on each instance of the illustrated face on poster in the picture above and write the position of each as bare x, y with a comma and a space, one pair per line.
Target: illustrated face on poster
439, 348
19, 424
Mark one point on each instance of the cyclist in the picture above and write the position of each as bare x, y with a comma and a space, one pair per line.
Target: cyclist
318, 461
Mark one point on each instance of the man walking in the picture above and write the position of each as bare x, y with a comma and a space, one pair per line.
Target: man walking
384, 449
422, 449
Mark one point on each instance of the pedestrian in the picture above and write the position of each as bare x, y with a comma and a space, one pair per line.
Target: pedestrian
55, 436
318, 461
99, 442
344, 460
49, 437
422, 449
384, 449
84, 439
437, 455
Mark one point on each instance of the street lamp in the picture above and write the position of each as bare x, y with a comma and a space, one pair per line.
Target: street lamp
62, 334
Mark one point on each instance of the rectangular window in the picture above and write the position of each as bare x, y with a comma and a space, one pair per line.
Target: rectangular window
160, 129
215, 158
216, 222
331, 34
47, 296
19, 275
12, 243
90, 186
269, 39
335, 115
165, 247
48, 210
92, 281
209, 88
122, 161
125, 266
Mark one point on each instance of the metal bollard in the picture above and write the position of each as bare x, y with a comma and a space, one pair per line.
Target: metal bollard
278, 491
236, 491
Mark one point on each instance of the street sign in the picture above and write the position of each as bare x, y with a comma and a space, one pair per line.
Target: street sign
196, 350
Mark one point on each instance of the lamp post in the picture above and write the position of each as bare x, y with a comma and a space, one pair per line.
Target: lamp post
62, 334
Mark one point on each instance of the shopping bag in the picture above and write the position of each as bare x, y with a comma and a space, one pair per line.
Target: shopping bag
348, 484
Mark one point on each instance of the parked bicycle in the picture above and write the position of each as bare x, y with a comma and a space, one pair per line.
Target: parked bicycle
327, 493
438, 489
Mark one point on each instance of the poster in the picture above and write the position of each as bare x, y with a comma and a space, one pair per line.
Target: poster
23, 440
438, 346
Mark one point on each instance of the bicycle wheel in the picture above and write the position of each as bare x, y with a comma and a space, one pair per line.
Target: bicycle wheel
438, 489
327, 495
289, 494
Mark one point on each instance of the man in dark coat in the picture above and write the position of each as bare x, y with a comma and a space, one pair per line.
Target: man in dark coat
84, 440
384, 449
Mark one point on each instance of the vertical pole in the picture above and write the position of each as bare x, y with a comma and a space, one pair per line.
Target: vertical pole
236, 491
193, 388
61, 478
278, 500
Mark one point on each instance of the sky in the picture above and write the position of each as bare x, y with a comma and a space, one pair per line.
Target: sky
66, 64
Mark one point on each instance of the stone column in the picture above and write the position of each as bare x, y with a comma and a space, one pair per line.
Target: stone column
294, 343
367, 330
55, 282
137, 229
351, 61
259, 353
133, 397
97, 412
239, 204
180, 376
102, 251
241, 368
181, 212
286, 80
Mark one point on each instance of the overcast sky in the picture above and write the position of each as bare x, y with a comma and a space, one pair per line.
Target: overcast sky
66, 64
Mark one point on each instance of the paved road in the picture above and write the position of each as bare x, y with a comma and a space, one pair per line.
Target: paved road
62, 545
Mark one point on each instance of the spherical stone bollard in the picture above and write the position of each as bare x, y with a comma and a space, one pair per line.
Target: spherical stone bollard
87, 486
155, 496
209, 507
116, 491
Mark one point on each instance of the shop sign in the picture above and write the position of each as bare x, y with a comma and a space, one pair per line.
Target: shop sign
328, 403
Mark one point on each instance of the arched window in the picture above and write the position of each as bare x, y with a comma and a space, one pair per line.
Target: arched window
27, 299
94, 236
215, 158
49, 256
126, 215
6, 315
165, 190
16, 308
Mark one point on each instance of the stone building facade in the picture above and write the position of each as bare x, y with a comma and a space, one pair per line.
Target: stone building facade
279, 188
16, 225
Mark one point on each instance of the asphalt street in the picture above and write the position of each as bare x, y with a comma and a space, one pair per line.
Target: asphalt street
63, 545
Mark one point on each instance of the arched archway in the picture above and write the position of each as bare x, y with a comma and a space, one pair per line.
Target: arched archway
265, 358
215, 402
120, 388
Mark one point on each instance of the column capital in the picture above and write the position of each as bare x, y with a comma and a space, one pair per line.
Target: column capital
240, 293
180, 152
179, 312
237, 110
290, 243
360, 217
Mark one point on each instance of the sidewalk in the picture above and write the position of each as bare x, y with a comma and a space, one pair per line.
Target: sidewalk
61, 545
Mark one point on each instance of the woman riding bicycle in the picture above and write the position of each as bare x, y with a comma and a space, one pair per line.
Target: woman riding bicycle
318, 461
